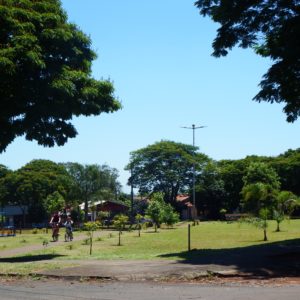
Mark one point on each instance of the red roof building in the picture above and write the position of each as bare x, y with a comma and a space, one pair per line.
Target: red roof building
186, 207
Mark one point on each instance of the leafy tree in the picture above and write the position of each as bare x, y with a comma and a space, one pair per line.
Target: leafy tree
272, 29
264, 214
138, 219
3, 192
210, 191
3, 171
92, 181
119, 222
257, 196
258, 199
45, 74
261, 172
261, 186
166, 167
169, 215
54, 202
287, 165
160, 211
139, 204
285, 204
262, 221
102, 216
91, 227
156, 208
231, 174
31, 184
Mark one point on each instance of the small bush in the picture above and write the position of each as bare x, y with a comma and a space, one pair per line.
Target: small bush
86, 241
70, 247
147, 224
23, 241
45, 243
35, 231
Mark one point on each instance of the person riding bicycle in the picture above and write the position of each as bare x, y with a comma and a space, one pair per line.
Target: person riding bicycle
69, 229
55, 218
54, 222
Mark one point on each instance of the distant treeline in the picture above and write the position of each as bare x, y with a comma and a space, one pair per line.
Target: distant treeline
220, 183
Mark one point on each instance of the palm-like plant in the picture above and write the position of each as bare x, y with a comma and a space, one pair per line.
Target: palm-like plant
286, 202
138, 219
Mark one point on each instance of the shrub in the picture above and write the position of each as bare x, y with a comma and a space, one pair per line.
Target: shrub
35, 231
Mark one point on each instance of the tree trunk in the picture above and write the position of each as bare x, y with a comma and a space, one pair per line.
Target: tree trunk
86, 210
23, 215
278, 227
91, 243
265, 235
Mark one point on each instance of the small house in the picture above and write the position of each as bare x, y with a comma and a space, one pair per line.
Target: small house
186, 208
113, 207
12, 215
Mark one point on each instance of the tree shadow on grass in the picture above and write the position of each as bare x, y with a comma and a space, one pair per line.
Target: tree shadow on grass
29, 258
276, 259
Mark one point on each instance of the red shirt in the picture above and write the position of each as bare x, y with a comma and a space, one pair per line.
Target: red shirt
55, 219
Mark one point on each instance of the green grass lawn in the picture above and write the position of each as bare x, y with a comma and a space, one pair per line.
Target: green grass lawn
21, 240
166, 244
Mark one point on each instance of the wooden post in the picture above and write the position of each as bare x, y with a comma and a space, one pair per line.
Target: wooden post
189, 237
91, 242
91, 245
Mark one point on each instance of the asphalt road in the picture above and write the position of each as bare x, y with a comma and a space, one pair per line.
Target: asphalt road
142, 291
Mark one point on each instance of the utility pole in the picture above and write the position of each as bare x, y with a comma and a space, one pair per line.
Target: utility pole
194, 127
131, 199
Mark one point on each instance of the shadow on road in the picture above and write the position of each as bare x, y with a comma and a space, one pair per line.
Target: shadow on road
29, 258
273, 259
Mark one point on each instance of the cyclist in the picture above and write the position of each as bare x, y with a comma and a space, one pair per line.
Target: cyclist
69, 229
55, 221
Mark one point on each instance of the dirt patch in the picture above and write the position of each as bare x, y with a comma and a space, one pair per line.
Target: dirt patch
237, 279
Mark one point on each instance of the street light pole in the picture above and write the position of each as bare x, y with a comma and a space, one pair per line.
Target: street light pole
194, 127
131, 199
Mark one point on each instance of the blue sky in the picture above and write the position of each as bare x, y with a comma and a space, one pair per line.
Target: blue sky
158, 54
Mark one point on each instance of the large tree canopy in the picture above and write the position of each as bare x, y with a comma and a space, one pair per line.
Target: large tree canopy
261, 185
287, 166
3, 171
272, 28
45, 74
261, 172
31, 184
166, 167
210, 191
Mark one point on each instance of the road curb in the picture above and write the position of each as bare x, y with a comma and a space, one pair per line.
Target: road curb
187, 276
